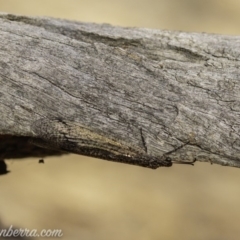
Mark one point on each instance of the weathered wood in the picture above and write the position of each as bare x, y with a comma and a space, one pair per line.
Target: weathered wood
114, 92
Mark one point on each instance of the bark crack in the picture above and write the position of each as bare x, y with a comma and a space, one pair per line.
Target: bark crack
177, 148
143, 141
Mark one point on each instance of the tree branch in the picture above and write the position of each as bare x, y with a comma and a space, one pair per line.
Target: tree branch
139, 96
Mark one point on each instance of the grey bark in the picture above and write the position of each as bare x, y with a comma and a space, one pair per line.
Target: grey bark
165, 95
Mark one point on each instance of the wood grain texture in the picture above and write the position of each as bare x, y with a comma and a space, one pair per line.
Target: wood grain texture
165, 95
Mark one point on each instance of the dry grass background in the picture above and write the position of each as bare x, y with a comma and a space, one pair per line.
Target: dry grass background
97, 200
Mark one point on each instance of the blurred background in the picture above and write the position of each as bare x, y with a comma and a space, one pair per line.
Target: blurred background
92, 199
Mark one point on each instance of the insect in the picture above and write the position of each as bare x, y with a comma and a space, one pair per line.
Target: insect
76, 138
